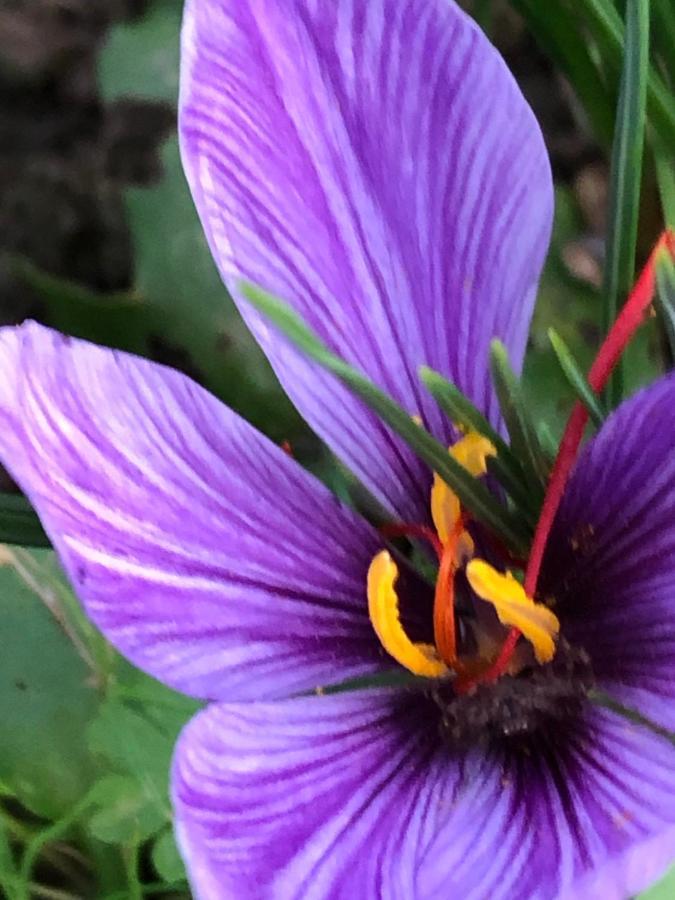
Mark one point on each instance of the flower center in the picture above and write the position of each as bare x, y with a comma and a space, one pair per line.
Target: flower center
513, 708
455, 549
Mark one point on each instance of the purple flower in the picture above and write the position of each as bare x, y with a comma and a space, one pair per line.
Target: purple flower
373, 162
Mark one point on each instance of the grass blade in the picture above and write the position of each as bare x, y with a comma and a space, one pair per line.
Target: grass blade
524, 439
626, 174
472, 493
664, 38
557, 32
666, 180
665, 292
604, 22
576, 378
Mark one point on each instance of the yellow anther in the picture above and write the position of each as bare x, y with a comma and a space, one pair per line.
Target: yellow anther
535, 621
471, 452
420, 659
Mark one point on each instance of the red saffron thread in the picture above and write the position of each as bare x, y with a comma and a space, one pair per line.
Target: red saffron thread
625, 326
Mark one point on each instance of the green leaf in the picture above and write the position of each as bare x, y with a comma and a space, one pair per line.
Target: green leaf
664, 38
576, 377
474, 495
574, 309
570, 306
626, 174
602, 19
665, 294
47, 697
7, 864
142, 56
664, 890
601, 698
19, 523
133, 745
166, 858
124, 812
665, 174
586, 40
113, 320
521, 428
558, 33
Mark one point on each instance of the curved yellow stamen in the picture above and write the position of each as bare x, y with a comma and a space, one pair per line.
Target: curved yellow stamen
420, 659
471, 452
535, 621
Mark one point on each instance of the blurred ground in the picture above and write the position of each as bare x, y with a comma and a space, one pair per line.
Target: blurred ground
65, 156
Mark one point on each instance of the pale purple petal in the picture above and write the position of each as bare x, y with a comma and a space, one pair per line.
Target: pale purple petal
611, 559
201, 550
356, 795
374, 163
315, 797
585, 813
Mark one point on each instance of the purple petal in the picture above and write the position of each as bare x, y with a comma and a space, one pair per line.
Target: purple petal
375, 164
201, 550
611, 558
355, 795
588, 813
320, 797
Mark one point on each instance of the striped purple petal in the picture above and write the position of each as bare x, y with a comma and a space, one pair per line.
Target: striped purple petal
373, 163
611, 558
201, 550
355, 795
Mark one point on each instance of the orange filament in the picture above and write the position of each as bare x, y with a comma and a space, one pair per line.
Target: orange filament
445, 634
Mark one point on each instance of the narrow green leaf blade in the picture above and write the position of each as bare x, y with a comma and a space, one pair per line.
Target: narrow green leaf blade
471, 492
576, 377
665, 293
19, 523
460, 410
665, 175
604, 22
664, 38
601, 698
626, 173
522, 431
557, 32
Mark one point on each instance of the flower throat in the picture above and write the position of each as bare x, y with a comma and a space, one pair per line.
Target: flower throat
511, 596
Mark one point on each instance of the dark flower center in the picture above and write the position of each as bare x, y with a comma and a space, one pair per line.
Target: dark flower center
516, 706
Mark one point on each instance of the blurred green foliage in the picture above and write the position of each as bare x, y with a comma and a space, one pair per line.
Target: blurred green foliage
86, 739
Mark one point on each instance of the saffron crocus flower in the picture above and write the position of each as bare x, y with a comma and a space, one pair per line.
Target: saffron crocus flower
373, 162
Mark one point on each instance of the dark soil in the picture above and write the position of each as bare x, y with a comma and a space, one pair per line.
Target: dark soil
65, 157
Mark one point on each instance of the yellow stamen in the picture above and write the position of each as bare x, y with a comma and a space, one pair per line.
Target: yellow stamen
471, 452
420, 659
535, 621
